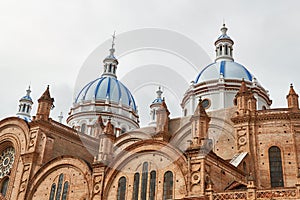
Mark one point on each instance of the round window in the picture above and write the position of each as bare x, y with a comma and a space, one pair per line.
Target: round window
7, 158
206, 103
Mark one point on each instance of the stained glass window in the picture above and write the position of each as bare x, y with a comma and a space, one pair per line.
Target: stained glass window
65, 191
152, 185
4, 186
59, 186
136, 184
144, 181
168, 186
121, 188
275, 167
52, 192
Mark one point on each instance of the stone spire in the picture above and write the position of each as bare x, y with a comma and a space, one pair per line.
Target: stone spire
25, 106
245, 99
162, 122
200, 123
111, 62
45, 105
224, 46
155, 105
292, 98
106, 139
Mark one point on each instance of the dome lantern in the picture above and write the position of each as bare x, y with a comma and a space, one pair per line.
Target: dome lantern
111, 62
224, 46
155, 105
25, 106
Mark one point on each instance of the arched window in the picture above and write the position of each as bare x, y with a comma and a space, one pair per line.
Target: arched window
154, 114
226, 49
52, 191
83, 128
59, 186
152, 185
168, 186
121, 188
185, 112
245, 167
57, 191
144, 181
4, 186
136, 183
221, 50
109, 68
65, 191
23, 109
27, 108
275, 167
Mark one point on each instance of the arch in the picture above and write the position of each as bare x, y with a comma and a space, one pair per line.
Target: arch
136, 184
83, 128
275, 164
144, 181
63, 163
168, 185
4, 186
121, 188
146, 147
59, 187
52, 191
152, 185
226, 49
14, 132
65, 191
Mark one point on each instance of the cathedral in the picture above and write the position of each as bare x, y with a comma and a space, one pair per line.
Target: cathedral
229, 142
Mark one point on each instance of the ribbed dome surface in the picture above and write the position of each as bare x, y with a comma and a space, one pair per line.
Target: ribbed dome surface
229, 69
104, 88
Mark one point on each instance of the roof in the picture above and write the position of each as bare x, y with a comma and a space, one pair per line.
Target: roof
238, 158
107, 88
227, 69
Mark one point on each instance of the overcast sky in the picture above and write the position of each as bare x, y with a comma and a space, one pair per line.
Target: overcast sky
47, 42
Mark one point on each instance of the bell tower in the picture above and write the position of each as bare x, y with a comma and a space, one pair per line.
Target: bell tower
45, 105
25, 106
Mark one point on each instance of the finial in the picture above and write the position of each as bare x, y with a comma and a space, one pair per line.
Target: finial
224, 29
113, 40
159, 92
60, 117
28, 91
291, 85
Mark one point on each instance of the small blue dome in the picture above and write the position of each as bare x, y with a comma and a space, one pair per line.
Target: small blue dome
107, 87
157, 100
26, 119
27, 98
229, 69
223, 37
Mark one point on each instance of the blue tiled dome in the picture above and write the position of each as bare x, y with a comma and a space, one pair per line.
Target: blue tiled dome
157, 100
27, 97
107, 87
229, 69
